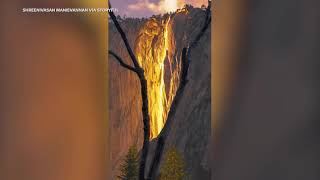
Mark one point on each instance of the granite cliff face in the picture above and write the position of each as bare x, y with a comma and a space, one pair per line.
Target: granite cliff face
158, 44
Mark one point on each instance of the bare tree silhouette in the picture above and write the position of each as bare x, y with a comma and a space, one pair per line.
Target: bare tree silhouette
144, 92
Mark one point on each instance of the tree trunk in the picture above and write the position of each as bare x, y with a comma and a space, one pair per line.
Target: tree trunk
146, 122
144, 94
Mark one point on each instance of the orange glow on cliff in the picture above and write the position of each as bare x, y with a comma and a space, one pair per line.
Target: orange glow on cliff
151, 49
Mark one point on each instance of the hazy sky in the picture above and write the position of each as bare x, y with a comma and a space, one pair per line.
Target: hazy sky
142, 8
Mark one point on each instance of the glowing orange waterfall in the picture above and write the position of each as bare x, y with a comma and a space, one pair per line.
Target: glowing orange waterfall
151, 49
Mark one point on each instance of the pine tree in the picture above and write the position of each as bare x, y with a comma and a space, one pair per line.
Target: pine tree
173, 167
129, 168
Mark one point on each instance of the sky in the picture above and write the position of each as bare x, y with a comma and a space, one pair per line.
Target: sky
146, 8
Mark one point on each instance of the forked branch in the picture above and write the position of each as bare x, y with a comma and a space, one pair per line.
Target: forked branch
121, 62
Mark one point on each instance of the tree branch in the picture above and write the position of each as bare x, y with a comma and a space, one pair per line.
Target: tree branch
124, 38
121, 62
